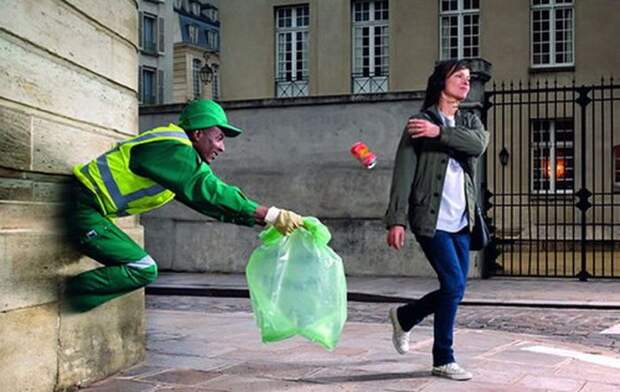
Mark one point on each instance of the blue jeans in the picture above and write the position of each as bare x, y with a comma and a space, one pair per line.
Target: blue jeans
448, 254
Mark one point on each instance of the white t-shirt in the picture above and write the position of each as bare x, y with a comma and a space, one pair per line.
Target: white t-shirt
452, 210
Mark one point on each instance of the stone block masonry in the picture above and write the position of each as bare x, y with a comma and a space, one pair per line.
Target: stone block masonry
68, 82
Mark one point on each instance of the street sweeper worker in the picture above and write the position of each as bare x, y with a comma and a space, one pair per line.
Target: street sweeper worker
143, 173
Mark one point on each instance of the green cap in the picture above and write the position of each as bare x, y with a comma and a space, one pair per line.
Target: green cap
205, 113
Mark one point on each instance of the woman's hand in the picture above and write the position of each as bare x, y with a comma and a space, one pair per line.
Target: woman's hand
396, 237
421, 128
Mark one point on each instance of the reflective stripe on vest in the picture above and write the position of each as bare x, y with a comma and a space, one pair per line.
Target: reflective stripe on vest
121, 202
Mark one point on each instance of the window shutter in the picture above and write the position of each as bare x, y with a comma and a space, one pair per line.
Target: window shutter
160, 32
140, 86
160, 86
140, 30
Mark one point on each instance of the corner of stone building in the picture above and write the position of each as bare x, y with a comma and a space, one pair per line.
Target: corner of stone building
71, 95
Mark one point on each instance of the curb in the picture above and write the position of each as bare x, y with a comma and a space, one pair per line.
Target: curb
202, 291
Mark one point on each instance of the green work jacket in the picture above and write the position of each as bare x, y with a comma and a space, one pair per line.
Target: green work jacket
420, 170
174, 166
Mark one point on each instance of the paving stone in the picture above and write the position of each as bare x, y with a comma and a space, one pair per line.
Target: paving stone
495, 376
140, 371
589, 372
551, 383
189, 389
271, 369
254, 384
180, 361
411, 362
372, 381
526, 358
470, 342
503, 367
182, 376
116, 385
441, 385
599, 387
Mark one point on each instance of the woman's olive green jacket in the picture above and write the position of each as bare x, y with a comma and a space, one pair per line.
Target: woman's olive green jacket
420, 170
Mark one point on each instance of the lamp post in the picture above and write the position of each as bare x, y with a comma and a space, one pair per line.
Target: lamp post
207, 74
206, 77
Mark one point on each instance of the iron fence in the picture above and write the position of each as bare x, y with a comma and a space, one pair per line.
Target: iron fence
552, 190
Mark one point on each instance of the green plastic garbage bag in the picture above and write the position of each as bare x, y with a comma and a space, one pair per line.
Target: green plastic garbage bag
297, 285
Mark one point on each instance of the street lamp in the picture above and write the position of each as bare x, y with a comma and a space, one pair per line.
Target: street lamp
206, 73
208, 76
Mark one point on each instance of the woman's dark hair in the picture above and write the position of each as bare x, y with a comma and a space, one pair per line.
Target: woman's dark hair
437, 81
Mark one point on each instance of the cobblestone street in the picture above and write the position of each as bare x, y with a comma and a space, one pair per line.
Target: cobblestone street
581, 326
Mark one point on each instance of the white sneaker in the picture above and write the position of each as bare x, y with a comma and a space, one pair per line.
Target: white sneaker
400, 338
452, 371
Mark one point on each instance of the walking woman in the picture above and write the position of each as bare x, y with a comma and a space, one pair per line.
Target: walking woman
433, 188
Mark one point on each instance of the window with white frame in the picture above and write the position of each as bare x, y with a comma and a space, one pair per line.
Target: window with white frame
459, 26
370, 46
292, 31
552, 33
552, 152
196, 82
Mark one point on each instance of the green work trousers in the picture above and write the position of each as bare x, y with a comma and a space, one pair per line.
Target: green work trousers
127, 266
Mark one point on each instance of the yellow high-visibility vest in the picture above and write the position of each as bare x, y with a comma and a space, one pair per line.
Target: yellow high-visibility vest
119, 191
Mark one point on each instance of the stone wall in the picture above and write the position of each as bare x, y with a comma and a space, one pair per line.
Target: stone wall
295, 154
68, 81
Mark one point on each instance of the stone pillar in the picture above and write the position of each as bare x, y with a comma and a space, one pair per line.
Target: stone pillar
67, 93
480, 75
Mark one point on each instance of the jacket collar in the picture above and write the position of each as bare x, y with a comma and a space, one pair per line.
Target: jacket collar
433, 111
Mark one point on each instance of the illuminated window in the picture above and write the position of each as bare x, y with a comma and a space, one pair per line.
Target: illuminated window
552, 153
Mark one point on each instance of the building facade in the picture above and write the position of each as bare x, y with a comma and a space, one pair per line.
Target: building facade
284, 48
178, 38
551, 184
553, 167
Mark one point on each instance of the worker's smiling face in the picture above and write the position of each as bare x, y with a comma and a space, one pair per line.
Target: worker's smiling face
209, 143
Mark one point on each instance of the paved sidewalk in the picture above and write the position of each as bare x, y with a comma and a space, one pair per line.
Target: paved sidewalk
203, 350
196, 351
496, 291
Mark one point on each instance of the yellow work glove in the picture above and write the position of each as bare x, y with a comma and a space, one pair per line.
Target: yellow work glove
283, 220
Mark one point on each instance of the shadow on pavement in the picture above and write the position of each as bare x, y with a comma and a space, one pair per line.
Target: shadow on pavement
367, 377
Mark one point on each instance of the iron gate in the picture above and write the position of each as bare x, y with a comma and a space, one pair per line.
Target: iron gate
552, 190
